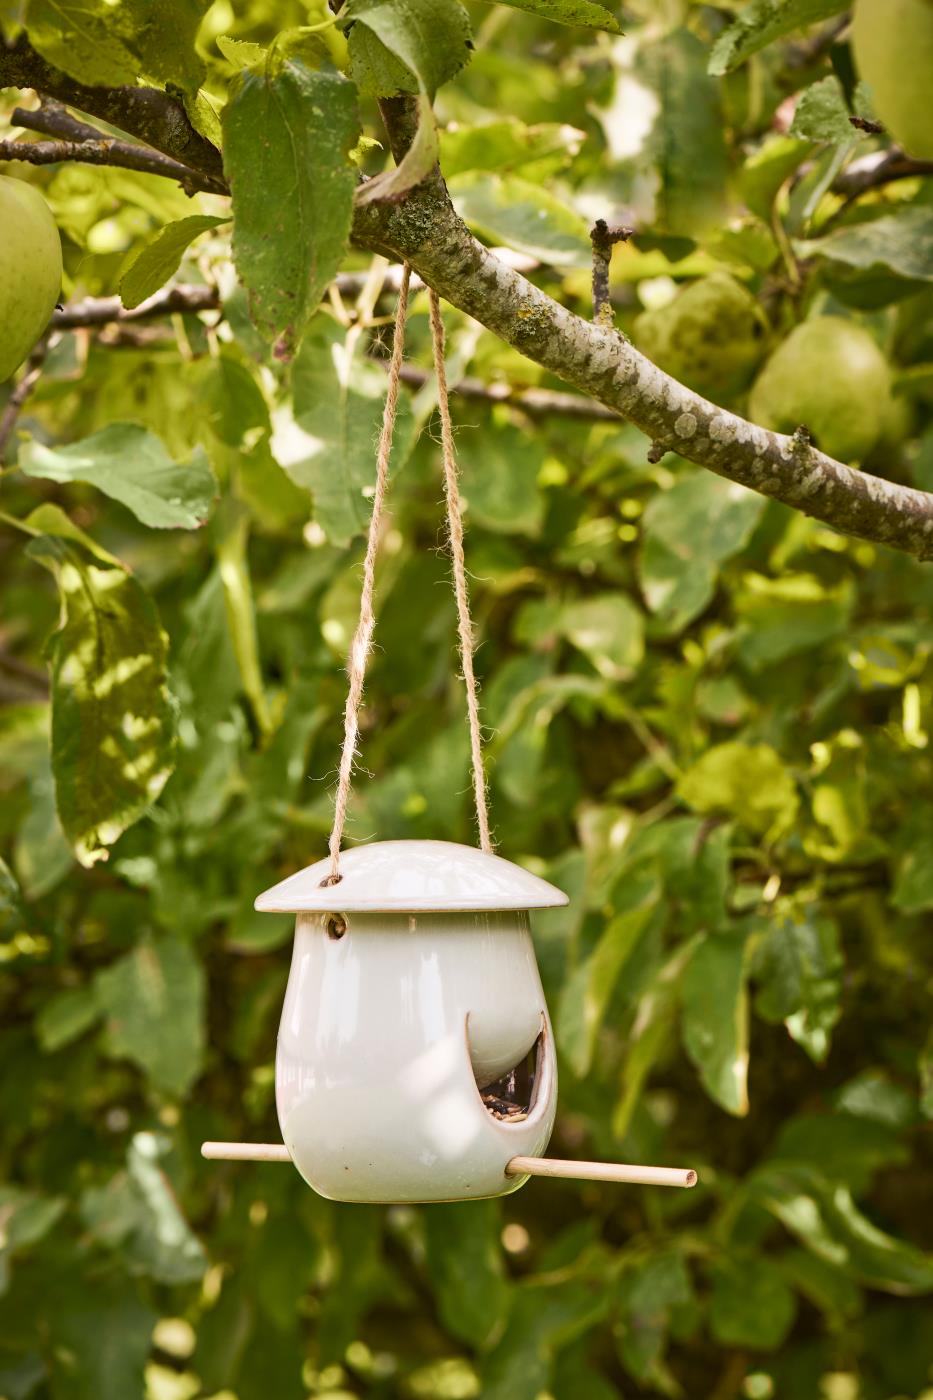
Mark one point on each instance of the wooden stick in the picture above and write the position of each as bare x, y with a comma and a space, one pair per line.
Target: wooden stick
518, 1166
246, 1151
602, 1171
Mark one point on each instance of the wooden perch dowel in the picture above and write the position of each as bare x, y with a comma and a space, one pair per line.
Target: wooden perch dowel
518, 1166
602, 1171
245, 1151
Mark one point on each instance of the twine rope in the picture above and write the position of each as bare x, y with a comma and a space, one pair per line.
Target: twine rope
458, 566
361, 645
362, 642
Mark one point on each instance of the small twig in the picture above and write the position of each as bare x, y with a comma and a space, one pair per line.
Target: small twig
35, 680
604, 238
878, 169
20, 393
102, 311
106, 150
656, 451
536, 402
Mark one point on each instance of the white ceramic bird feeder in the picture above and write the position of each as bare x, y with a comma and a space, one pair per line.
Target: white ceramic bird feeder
415, 1057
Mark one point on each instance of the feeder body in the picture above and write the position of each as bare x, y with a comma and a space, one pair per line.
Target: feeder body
388, 1034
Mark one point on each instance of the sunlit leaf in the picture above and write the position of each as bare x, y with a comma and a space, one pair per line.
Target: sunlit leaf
287, 142
133, 466
112, 720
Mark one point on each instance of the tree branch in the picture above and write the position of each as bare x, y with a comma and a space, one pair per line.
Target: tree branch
146, 113
877, 169
21, 391
539, 403
101, 311
107, 151
426, 231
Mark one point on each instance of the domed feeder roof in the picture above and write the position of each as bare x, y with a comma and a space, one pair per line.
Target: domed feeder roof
412, 877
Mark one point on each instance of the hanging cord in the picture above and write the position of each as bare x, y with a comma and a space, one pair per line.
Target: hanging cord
363, 636
458, 564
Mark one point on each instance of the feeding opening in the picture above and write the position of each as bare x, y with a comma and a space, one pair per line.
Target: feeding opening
511, 1098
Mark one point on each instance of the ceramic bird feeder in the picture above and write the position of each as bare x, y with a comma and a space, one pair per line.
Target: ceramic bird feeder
415, 1055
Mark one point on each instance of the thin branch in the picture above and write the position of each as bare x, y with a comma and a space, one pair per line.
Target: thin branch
538, 403
20, 393
426, 231
148, 114
107, 151
101, 311
604, 237
879, 168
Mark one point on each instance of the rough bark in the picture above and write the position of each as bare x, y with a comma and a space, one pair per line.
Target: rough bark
147, 113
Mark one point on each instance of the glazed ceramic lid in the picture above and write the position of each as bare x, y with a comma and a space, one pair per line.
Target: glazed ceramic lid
412, 877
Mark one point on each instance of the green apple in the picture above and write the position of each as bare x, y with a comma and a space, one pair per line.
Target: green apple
711, 337
830, 375
30, 270
893, 45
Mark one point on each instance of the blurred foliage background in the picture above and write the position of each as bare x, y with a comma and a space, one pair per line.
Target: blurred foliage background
709, 722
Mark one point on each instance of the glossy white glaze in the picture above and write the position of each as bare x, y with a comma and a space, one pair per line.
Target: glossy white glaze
413, 876
384, 1035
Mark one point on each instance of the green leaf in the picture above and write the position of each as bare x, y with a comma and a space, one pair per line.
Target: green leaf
329, 447
824, 1217
508, 145
648, 1292
137, 1214
714, 992
287, 144
798, 967
464, 1261
25, 1218
688, 532
112, 720
790, 614
99, 1340
233, 567
821, 113
751, 1305
901, 243
687, 161
748, 781
500, 481
12, 911
545, 1316
65, 1017
104, 44
651, 1034
406, 45
588, 991
160, 258
760, 23
131, 465
87, 39
525, 216
609, 630
153, 999
573, 12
